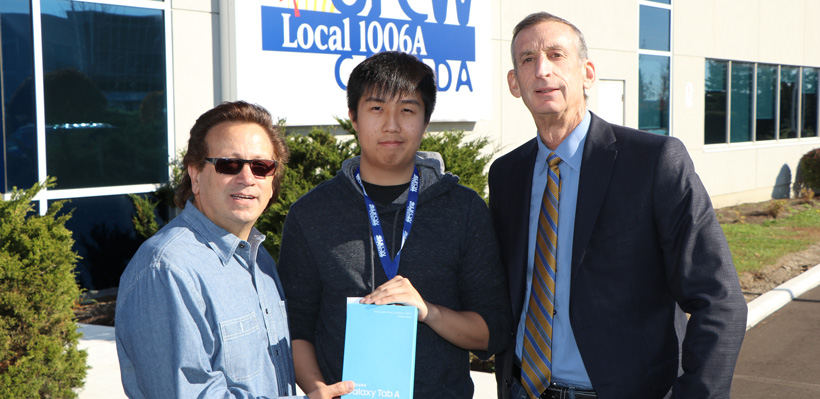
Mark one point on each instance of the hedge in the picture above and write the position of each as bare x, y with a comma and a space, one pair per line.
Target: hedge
38, 336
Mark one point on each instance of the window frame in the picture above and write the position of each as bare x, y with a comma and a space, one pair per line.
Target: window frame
46, 195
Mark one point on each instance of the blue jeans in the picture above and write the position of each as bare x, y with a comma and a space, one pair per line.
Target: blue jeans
517, 391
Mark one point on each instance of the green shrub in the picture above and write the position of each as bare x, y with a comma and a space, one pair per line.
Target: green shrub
38, 336
158, 205
463, 159
314, 158
145, 219
810, 169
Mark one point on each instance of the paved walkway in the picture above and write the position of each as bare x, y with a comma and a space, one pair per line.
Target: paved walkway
103, 378
780, 357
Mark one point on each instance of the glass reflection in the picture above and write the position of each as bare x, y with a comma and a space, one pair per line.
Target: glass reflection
104, 237
809, 90
715, 118
766, 100
654, 29
105, 102
741, 113
653, 100
789, 79
18, 149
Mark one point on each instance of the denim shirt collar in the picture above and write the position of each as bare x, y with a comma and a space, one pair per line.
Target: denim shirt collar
221, 241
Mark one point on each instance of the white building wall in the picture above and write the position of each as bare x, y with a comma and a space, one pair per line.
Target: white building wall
196, 59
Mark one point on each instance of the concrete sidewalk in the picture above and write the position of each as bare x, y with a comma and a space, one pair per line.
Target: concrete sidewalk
779, 357
103, 378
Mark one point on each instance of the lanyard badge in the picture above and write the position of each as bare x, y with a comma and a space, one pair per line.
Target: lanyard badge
391, 266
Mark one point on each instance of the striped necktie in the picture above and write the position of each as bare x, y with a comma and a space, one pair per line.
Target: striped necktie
536, 362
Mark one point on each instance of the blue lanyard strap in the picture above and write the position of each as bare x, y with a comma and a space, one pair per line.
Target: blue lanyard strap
391, 267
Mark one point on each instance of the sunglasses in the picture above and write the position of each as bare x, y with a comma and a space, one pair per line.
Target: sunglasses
232, 166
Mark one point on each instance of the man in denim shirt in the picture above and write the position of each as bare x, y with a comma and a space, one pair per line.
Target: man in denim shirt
200, 312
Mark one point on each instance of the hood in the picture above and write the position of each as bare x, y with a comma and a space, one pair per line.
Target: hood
434, 181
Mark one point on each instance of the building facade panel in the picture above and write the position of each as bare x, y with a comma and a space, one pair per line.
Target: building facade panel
735, 161
782, 32
736, 27
197, 68
695, 27
688, 101
811, 44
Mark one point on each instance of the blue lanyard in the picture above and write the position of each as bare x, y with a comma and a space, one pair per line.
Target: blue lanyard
391, 267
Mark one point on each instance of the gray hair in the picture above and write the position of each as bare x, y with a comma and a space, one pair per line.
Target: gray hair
539, 17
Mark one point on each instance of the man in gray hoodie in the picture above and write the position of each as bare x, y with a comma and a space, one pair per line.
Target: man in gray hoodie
392, 227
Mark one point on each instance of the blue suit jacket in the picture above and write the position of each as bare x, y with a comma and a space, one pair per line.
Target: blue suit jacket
647, 248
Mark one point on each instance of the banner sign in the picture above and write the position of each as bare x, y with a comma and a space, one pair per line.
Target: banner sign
294, 57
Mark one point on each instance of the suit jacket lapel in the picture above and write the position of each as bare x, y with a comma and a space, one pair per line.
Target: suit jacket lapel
596, 168
519, 186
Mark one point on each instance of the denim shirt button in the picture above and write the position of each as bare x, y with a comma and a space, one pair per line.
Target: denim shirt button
242, 245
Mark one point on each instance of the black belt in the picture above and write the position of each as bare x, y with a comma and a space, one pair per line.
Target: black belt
554, 391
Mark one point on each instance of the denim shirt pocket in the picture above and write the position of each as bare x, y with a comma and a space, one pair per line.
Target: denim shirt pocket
240, 344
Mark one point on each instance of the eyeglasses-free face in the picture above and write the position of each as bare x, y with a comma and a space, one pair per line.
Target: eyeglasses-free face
232, 166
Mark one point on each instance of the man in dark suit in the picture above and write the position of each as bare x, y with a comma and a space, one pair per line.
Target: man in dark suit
621, 245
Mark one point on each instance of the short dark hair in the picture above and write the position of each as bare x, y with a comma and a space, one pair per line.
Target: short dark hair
389, 74
237, 111
540, 17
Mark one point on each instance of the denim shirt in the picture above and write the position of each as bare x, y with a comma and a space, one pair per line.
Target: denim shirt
200, 314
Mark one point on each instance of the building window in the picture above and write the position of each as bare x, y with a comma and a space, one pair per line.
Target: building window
653, 100
742, 101
714, 127
654, 29
18, 135
654, 66
789, 98
105, 103
85, 99
766, 102
809, 102
766, 112
105, 235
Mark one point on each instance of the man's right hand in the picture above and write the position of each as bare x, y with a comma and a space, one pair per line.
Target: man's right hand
332, 391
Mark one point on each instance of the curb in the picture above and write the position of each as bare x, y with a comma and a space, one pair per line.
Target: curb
770, 302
